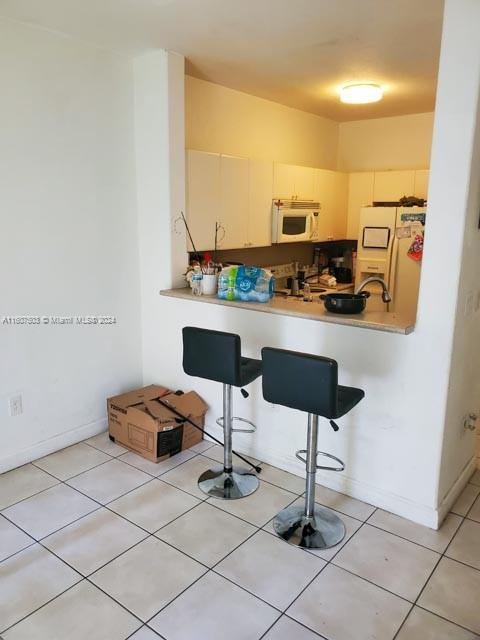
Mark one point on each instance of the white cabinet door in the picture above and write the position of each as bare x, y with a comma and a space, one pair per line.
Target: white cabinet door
325, 195
292, 182
284, 181
304, 183
390, 186
340, 187
203, 197
360, 194
260, 196
234, 203
331, 191
421, 184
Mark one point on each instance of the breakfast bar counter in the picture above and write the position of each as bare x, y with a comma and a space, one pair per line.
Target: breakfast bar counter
315, 310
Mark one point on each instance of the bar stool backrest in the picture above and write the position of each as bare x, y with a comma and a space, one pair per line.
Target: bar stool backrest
213, 355
300, 381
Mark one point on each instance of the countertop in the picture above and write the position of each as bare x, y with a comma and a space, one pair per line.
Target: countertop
378, 320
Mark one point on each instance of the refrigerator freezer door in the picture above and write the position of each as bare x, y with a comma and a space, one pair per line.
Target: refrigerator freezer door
376, 233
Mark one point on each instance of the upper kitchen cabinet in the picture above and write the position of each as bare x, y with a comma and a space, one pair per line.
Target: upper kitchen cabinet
390, 186
341, 205
305, 183
360, 194
203, 197
421, 184
260, 195
293, 182
331, 191
234, 201
235, 192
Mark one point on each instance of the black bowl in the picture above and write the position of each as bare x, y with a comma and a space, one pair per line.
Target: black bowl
345, 302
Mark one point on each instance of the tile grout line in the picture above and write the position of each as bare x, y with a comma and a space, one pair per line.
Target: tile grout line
419, 606
41, 606
82, 578
375, 526
19, 550
301, 624
75, 475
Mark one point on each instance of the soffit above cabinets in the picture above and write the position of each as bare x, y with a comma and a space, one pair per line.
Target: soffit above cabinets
295, 53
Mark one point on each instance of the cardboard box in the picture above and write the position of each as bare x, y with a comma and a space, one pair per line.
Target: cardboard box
139, 422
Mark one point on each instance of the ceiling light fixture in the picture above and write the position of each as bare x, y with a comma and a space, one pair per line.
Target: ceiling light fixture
361, 93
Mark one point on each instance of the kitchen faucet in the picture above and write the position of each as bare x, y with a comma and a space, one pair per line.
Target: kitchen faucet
386, 297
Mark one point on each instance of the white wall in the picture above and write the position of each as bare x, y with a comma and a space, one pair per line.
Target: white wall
401, 142
458, 122
160, 171
223, 120
68, 240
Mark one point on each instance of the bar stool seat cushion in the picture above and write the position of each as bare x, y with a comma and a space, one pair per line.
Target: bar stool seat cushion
347, 398
250, 370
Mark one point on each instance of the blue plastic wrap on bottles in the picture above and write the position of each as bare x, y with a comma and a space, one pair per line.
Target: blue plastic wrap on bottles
250, 284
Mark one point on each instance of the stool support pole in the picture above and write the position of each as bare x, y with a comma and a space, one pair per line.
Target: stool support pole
227, 427
312, 437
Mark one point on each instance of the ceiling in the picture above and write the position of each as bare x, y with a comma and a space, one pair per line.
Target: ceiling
296, 52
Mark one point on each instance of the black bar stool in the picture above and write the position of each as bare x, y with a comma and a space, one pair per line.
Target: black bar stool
216, 355
308, 383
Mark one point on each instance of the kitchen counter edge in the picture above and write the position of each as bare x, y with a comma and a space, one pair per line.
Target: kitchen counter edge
376, 320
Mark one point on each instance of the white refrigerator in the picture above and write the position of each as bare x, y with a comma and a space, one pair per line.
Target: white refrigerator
390, 245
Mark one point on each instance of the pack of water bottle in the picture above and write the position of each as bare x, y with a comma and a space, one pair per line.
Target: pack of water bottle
249, 284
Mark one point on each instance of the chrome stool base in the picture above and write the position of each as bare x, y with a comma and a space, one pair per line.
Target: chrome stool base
323, 531
238, 483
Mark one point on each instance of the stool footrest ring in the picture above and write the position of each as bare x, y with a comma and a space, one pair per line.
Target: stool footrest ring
252, 428
325, 455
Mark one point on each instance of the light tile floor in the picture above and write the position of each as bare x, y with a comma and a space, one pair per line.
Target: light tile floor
98, 543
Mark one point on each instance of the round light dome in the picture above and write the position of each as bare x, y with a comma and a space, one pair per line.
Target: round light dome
361, 93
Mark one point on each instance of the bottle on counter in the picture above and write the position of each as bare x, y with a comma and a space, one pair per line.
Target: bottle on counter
307, 294
197, 278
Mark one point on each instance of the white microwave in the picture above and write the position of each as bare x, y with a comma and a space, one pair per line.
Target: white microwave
295, 221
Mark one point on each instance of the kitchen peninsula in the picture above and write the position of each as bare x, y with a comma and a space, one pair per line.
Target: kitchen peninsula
296, 307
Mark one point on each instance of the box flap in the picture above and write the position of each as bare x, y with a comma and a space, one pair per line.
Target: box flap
158, 411
125, 400
188, 404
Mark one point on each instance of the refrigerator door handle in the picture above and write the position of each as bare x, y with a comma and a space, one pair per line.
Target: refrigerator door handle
393, 270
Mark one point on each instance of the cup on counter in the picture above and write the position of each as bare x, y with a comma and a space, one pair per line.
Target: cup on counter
209, 284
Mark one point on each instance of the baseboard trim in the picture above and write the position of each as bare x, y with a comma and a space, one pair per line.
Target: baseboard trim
422, 514
51, 445
457, 488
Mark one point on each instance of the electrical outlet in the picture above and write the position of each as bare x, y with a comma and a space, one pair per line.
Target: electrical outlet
470, 421
16, 406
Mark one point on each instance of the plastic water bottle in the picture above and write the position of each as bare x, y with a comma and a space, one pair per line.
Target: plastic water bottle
197, 281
